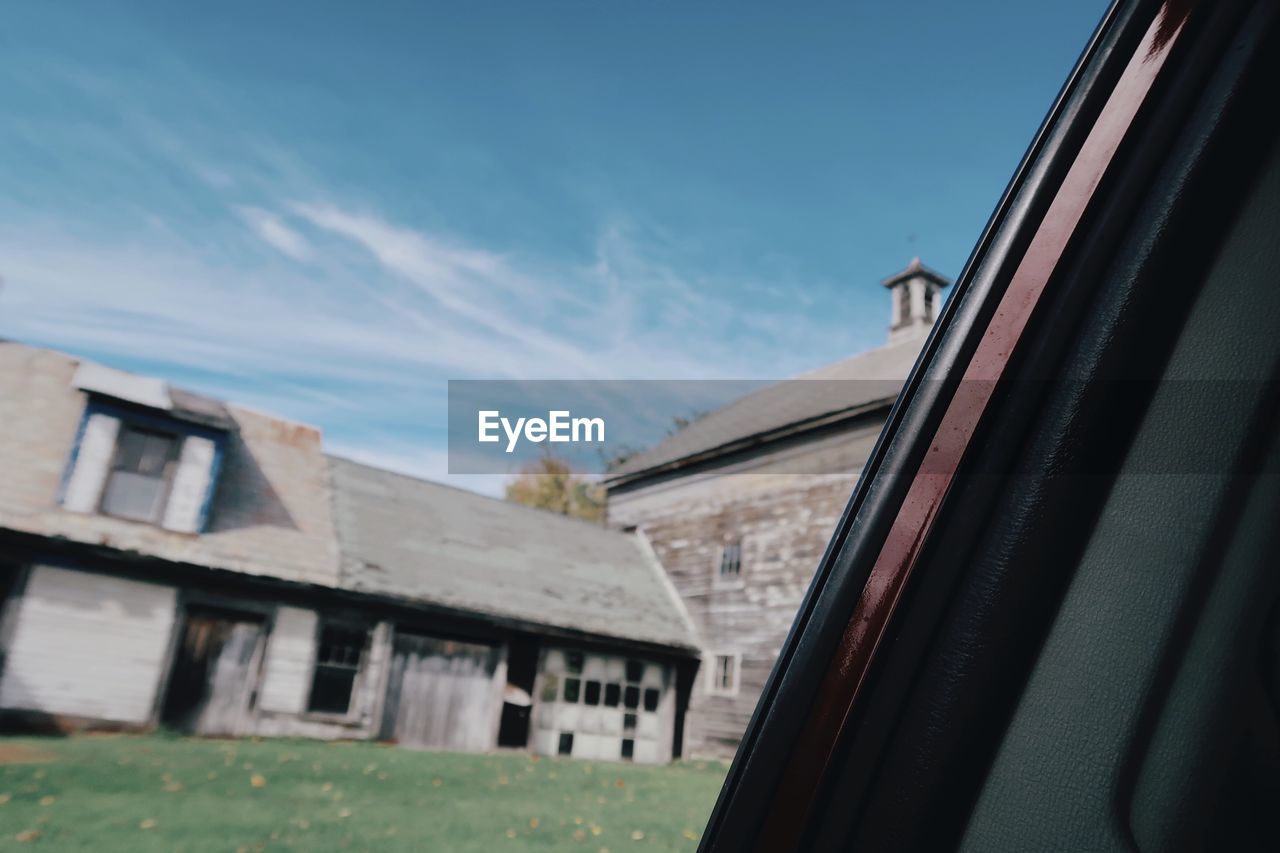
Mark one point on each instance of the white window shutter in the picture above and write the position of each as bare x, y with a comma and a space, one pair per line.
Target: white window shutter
190, 485
93, 458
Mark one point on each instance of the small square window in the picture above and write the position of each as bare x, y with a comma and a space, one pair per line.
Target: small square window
573, 661
628, 748
612, 695
731, 559
592, 695
651, 699
629, 722
550, 687
635, 670
566, 744
632, 696
572, 686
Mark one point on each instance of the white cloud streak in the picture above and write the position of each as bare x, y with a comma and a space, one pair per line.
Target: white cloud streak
275, 233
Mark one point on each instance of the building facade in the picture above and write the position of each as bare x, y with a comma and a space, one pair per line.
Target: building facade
740, 505
167, 559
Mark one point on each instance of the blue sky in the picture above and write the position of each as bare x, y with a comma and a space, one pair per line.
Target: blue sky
327, 210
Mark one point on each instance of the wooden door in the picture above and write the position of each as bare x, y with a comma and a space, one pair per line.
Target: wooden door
442, 694
213, 673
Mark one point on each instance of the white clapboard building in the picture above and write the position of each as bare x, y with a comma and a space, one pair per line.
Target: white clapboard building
169, 560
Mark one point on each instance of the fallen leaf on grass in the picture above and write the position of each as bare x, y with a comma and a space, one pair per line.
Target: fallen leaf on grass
173, 787
533, 823
637, 835
257, 780
437, 782
579, 835
149, 823
4, 798
326, 787
595, 829
344, 812
619, 784
48, 800
511, 833
27, 835
691, 835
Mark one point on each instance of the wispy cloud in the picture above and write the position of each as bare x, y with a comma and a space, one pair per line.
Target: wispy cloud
221, 260
275, 233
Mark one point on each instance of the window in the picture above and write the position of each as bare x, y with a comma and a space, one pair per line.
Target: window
572, 686
631, 697
651, 696
592, 696
338, 661
731, 560
628, 748
566, 744
140, 474
722, 679
612, 695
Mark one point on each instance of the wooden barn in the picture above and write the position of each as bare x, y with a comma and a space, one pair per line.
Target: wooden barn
170, 560
740, 504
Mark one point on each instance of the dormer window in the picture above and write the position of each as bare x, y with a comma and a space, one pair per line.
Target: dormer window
145, 452
141, 474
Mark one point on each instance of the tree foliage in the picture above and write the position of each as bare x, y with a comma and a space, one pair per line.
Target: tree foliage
550, 483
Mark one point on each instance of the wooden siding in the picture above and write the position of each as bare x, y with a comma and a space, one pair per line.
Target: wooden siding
784, 509
88, 645
291, 649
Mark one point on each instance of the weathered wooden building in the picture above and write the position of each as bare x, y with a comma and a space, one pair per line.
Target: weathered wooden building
168, 559
740, 504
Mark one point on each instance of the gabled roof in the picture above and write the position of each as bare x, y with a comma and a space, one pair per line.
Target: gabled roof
434, 543
914, 269
864, 382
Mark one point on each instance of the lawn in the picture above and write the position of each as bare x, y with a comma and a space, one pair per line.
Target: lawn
167, 793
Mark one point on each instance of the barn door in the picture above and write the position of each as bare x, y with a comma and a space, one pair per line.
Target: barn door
442, 694
213, 673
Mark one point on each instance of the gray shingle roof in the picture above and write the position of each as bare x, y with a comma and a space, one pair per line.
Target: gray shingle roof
425, 541
868, 380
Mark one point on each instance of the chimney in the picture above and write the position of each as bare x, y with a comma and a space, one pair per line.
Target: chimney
916, 300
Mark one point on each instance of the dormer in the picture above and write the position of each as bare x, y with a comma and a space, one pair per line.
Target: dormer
145, 451
916, 300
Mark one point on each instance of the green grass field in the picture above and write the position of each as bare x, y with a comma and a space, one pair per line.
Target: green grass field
167, 793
